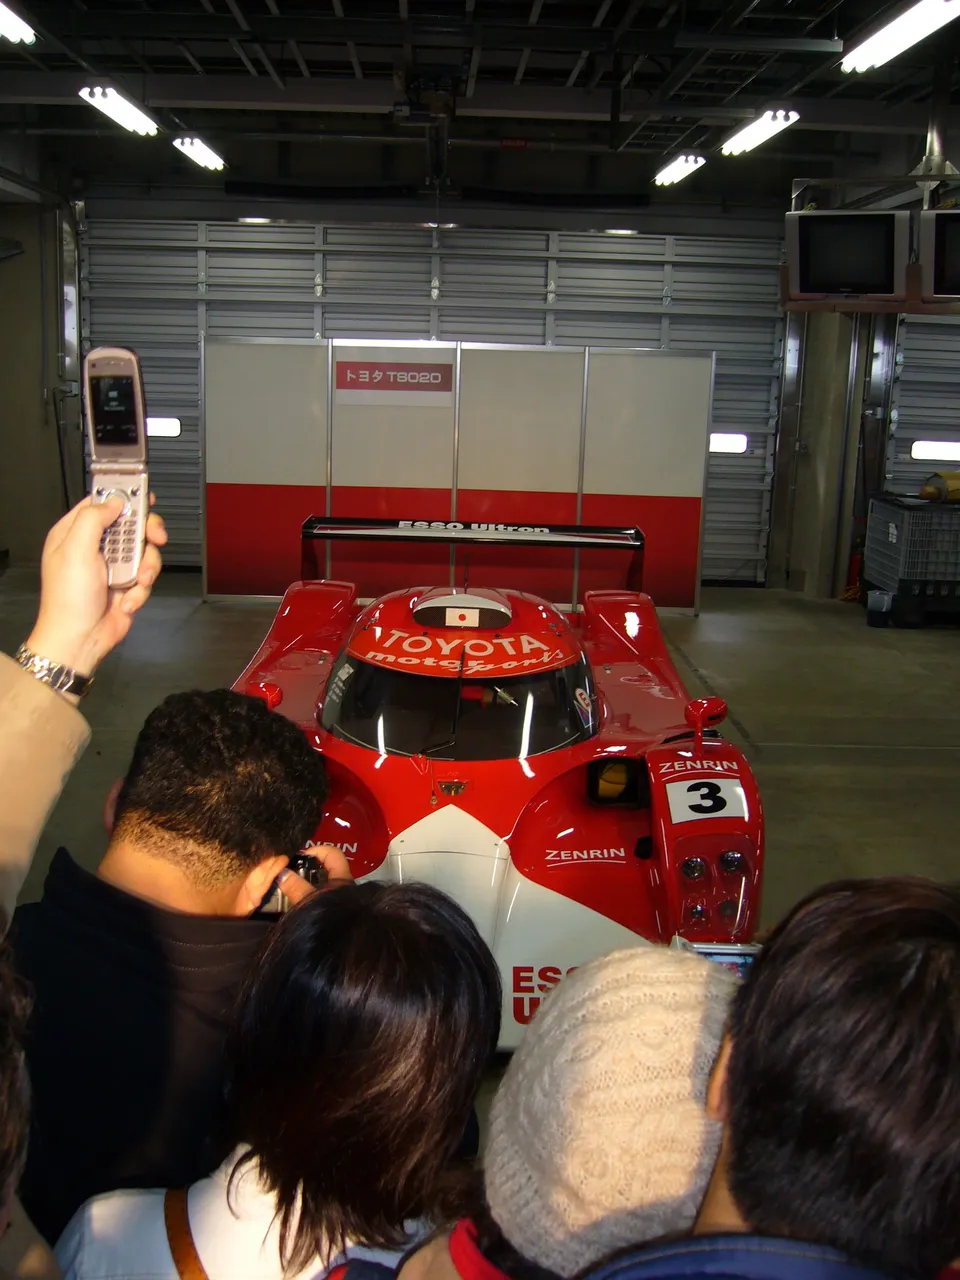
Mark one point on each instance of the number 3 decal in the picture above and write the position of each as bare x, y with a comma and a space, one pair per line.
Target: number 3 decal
710, 798
694, 801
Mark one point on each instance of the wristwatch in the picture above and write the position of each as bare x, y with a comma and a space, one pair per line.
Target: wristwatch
60, 678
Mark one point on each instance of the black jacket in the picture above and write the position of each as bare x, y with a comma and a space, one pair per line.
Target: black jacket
125, 1047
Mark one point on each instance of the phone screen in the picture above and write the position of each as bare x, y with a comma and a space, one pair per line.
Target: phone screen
114, 409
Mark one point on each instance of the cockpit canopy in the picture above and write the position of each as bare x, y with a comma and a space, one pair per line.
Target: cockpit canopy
496, 717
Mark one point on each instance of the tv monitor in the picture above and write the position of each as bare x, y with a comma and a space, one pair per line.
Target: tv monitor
940, 254
835, 254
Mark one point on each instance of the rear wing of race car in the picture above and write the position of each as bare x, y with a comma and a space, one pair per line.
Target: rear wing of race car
476, 535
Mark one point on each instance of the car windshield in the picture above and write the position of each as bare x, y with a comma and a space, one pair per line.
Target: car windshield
398, 713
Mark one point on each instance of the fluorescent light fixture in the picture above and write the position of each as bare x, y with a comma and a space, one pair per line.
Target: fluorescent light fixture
255, 222
678, 169
618, 231
169, 427
119, 109
727, 442
909, 29
199, 152
15, 29
759, 130
936, 450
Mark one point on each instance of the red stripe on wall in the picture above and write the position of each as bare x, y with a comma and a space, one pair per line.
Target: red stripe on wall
253, 540
513, 506
377, 568
545, 572
391, 504
253, 535
671, 530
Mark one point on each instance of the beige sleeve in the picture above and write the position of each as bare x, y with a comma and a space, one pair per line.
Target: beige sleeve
41, 738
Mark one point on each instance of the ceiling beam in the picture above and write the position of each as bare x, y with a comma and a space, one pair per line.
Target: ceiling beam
472, 72
244, 57
688, 66
299, 59
185, 52
240, 20
351, 47
519, 102
430, 33
581, 61
270, 69
525, 52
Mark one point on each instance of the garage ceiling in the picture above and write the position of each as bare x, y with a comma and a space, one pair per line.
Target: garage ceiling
540, 100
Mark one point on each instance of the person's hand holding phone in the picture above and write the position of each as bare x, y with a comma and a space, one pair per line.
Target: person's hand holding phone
80, 619
333, 861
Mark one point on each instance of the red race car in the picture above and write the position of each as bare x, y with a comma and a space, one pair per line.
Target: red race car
545, 767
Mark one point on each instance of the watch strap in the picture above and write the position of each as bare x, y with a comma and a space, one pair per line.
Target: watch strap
60, 678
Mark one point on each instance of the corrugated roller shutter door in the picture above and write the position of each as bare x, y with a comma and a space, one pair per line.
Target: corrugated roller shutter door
926, 392
159, 285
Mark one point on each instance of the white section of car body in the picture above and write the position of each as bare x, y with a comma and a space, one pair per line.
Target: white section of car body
525, 924
458, 854
542, 928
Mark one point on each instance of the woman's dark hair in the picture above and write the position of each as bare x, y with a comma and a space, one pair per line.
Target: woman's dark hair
843, 1089
362, 1033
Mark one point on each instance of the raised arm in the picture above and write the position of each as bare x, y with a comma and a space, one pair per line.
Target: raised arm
42, 733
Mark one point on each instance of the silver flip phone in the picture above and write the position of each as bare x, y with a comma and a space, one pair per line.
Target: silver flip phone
117, 425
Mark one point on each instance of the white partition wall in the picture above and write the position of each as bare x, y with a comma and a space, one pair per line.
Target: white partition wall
265, 451
520, 425
392, 454
440, 431
519, 456
645, 456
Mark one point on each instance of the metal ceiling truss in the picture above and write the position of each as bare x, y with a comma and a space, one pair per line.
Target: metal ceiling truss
659, 74
513, 103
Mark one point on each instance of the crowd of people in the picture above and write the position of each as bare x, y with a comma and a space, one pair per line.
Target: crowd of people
192, 1088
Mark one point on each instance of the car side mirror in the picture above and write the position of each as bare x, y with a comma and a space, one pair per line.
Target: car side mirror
704, 713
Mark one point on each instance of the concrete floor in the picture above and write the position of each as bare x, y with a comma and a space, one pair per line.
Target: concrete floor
851, 731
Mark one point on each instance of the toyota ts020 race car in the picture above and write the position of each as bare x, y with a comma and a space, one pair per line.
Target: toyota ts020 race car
544, 767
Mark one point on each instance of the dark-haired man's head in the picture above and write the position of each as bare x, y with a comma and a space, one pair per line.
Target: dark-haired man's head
220, 792
385, 1002
840, 1083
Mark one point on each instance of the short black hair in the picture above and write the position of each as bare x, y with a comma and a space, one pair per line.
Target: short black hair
843, 1088
362, 1034
221, 772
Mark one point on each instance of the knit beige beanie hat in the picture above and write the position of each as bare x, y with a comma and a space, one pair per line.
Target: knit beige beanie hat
598, 1136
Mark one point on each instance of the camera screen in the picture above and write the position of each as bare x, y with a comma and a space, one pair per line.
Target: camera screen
114, 408
739, 959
